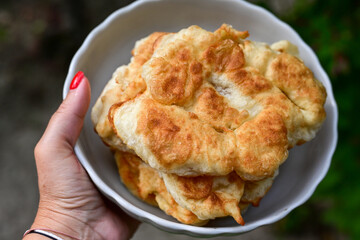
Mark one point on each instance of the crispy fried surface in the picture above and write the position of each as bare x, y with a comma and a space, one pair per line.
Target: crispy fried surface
255, 191
199, 107
125, 84
146, 183
206, 196
215, 103
190, 199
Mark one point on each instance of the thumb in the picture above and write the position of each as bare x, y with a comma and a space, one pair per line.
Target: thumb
65, 125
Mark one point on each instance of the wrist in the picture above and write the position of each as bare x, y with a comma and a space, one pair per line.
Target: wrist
56, 222
63, 223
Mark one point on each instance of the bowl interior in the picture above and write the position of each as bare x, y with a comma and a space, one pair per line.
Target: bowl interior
110, 45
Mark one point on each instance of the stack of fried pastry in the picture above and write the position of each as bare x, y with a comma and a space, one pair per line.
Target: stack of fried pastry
200, 121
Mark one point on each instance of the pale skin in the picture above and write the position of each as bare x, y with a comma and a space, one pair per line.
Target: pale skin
69, 201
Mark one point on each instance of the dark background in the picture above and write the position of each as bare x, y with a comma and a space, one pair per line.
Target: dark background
38, 40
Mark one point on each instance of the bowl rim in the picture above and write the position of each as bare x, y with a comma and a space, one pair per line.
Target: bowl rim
179, 227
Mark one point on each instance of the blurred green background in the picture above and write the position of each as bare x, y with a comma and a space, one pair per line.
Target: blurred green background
39, 38
332, 29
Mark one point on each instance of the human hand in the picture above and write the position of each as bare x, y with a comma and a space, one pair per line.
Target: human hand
69, 202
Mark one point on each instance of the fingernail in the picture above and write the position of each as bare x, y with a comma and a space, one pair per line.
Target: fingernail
76, 80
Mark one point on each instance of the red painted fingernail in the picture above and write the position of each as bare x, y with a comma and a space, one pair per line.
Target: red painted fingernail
76, 80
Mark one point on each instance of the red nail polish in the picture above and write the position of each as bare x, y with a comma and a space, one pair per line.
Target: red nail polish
76, 80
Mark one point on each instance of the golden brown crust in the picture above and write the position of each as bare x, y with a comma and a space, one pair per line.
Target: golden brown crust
161, 130
195, 187
202, 108
263, 146
126, 84
224, 56
255, 191
145, 183
250, 82
261, 112
128, 167
173, 83
208, 197
213, 108
228, 32
288, 73
146, 48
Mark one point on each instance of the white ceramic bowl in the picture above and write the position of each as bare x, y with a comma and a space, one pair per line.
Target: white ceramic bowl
109, 46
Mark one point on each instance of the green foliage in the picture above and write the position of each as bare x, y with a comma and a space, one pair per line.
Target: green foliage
331, 28
3, 33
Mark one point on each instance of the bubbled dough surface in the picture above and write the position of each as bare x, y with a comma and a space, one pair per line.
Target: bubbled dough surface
215, 103
146, 183
197, 103
191, 200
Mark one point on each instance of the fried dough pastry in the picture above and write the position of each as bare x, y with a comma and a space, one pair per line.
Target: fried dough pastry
255, 191
208, 197
126, 83
192, 200
146, 183
206, 119
216, 103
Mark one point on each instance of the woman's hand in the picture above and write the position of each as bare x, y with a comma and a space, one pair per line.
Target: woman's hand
69, 202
